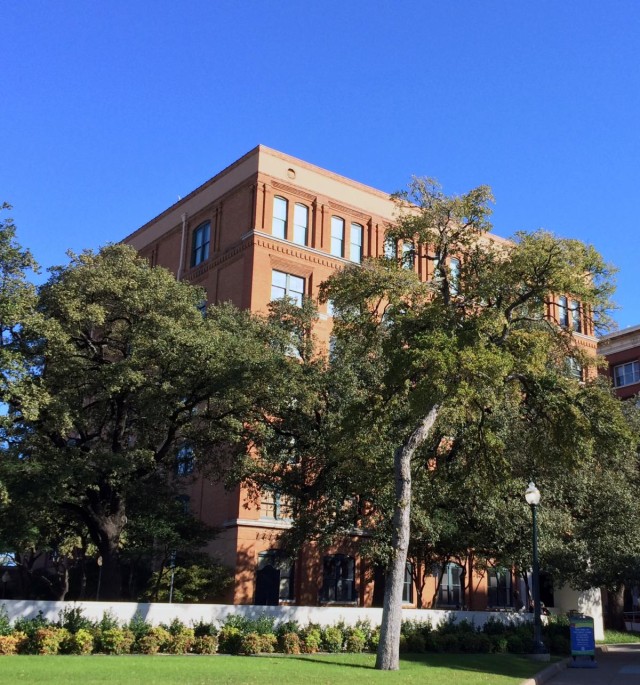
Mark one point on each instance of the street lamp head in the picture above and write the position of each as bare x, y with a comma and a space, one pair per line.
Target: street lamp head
532, 495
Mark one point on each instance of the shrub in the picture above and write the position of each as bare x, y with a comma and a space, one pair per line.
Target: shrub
560, 645
139, 627
108, 621
205, 644
475, 643
251, 643
374, 640
73, 619
312, 640
157, 639
287, 627
332, 639
204, 629
176, 627
269, 643
290, 643
47, 640
29, 626
9, 644
80, 642
403, 643
515, 644
5, 623
180, 643
356, 641
498, 644
416, 643
230, 640
448, 642
494, 626
115, 640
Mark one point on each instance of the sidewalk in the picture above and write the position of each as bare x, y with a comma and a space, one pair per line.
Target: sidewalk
617, 665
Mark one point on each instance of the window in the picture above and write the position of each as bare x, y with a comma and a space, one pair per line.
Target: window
300, 224
200, 245
185, 460
355, 249
407, 588
279, 561
337, 236
450, 588
626, 374
330, 308
183, 503
287, 285
338, 579
202, 308
275, 506
499, 581
390, 248
454, 273
408, 254
279, 224
574, 368
576, 319
563, 311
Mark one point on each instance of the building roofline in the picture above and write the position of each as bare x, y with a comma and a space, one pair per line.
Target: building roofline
254, 151
620, 333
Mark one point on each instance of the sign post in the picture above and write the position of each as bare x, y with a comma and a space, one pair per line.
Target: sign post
583, 643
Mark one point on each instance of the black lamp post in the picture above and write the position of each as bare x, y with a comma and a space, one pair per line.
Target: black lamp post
532, 495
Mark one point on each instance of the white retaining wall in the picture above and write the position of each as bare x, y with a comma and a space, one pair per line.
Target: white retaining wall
190, 613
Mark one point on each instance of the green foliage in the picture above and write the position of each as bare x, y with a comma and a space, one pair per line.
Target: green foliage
195, 583
5, 621
204, 629
73, 619
81, 641
312, 637
230, 639
332, 639
48, 640
139, 626
205, 644
181, 641
157, 639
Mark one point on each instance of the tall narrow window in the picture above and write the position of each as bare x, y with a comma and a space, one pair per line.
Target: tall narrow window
407, 588
563, 311
200, 244
454, 274
185, 460
499, 581
337, 236
408, 254
287, 285
301, 224
279, 225
450, 588
355, 248
576, 318
390, 248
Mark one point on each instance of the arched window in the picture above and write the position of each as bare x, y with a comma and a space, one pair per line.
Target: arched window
355, 248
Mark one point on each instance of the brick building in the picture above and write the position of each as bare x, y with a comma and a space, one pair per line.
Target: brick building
621, 350
267, 226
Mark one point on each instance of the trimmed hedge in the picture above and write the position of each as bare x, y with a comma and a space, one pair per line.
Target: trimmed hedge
73, 633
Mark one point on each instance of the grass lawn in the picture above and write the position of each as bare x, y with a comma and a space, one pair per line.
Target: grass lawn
426, 669
616, 637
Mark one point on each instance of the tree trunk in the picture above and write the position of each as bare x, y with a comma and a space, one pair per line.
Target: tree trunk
615, 609
388, 658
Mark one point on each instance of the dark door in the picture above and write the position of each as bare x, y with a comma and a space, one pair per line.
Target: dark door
268, 586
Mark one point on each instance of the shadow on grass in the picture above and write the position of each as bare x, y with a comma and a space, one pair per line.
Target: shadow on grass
332, 662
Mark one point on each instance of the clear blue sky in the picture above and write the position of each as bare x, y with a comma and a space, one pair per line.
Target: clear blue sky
111, 110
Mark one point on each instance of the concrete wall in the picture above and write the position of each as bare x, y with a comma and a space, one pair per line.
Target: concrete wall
188, 613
